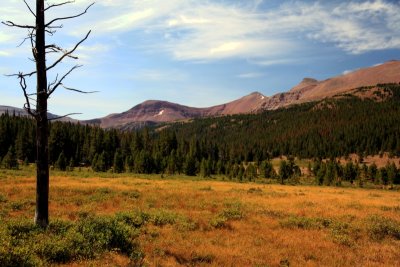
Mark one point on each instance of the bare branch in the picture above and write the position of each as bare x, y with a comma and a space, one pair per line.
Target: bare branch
79, 91
57, 5
27, 105
30, 9
12, 24
56, 49
68, 53
52, 84
52, 87
64, 116
70, 17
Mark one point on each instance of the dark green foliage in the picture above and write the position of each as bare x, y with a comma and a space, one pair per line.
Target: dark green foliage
190, 166
267, 170
350, 172
288, 169
381, 227
205, 168
24, 244
61, 162
118, 162
10, 159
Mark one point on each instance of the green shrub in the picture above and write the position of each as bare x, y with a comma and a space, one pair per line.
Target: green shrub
219, 222
17, 205
131, 194
380, 227
305, 222
22, 243
233, 211
135, 218
163, 217
3, 198
342, 233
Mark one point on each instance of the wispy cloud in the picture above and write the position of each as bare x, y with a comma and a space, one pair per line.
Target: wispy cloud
193, 30
159, 75
250, 75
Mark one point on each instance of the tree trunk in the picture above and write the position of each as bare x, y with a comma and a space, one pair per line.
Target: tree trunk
42, 165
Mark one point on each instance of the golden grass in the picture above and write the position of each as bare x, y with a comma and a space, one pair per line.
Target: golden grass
255, 229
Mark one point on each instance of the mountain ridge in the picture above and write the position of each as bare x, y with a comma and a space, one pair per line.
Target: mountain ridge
309, 89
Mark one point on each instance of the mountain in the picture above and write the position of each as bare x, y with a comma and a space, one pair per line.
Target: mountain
309, 89
154, 111
22, 112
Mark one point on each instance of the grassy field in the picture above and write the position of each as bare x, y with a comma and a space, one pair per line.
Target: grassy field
179, 221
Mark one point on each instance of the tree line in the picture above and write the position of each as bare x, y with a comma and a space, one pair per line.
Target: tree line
238, 147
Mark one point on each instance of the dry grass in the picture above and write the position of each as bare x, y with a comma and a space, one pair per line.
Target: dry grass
211, 223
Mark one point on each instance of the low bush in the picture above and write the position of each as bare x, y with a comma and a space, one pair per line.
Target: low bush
305, 222
163, 217
233, 211
380, 227
3, 198
22, 243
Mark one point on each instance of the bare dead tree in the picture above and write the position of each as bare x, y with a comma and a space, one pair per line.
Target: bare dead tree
37, 38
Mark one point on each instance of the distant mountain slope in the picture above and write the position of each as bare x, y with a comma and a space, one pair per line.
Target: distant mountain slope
154, 111
22, 112
163, 111
310, 89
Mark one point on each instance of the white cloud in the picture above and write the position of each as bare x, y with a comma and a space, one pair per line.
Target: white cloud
210, 30
250, 75
158, 75
88, 54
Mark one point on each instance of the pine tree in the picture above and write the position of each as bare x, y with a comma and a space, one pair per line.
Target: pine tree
61, 162
10, 159
190, 166
251, 172
71, 165
118, 162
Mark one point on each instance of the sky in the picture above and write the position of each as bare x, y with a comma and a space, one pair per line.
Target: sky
197, 52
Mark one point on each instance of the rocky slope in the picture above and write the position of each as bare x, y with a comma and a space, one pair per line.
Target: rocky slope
309, 89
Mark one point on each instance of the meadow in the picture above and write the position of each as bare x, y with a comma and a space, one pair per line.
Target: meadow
117, 220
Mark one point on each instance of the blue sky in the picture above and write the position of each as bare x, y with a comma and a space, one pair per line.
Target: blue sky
199, 52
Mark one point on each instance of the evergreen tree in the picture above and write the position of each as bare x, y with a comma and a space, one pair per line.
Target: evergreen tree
391, 173
251, 172
372, 172
350, 172
240, 173
71, 165
61, 162
129, 163
284, 171
101, 163
10, 159
383, 176
118, 162
266, 169
190, 166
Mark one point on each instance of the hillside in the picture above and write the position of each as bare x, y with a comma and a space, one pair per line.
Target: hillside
21, 112
334, 127
155, 111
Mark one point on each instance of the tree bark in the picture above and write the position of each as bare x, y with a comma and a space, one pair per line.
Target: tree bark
42, 164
